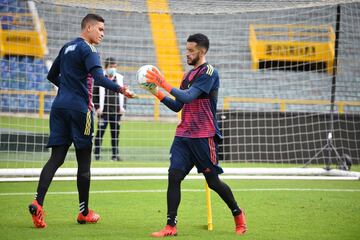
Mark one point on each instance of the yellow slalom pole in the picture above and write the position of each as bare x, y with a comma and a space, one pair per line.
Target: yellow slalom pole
208, 207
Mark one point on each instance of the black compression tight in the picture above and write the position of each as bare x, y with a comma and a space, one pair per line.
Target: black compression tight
174, 193
57, 158
223, 190
83, 157
58, 154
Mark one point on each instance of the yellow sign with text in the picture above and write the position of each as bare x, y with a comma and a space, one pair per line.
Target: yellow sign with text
27, 42
292, 47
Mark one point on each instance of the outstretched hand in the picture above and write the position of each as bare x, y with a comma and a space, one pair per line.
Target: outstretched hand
154, 76
127, 93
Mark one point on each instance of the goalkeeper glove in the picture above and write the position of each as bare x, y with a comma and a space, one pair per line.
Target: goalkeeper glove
154, 76
154, 90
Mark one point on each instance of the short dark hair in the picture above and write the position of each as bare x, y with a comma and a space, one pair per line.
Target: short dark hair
200, 39
91, 17
109, 61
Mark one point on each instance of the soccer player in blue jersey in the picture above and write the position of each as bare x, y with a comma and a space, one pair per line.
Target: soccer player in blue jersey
74, 72
197, 136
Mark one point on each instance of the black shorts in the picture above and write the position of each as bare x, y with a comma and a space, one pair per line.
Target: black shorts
69, 126
185, 153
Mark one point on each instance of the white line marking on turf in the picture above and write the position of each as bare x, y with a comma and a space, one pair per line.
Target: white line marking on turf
194, 190
156, 177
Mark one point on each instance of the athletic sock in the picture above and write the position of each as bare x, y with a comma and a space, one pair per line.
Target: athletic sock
171, 220
236, 211
39, 199
83, 208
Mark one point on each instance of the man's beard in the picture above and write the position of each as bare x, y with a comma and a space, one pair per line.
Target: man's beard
194, 61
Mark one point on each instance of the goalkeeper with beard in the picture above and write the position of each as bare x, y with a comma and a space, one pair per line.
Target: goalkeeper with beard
197, 136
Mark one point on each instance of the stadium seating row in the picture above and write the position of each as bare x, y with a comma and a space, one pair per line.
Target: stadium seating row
7, 9
23, 73
12, 6
23, 103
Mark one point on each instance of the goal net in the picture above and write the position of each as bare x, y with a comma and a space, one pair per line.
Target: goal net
290, 81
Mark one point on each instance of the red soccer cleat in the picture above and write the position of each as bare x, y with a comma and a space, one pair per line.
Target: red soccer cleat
240, 223
37, 214
91, 217
167, 231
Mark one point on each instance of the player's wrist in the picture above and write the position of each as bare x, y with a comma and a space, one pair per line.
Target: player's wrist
167, 87
160, 95
121, 89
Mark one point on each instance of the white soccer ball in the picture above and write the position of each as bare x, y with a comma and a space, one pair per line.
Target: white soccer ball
141, 76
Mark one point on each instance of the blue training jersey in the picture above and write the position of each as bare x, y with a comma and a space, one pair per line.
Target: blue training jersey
74, 63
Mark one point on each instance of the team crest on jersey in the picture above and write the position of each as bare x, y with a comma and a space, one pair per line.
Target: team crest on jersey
70, 48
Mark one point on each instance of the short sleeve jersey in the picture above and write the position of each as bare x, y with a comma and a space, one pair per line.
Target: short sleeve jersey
77, 58
198, 118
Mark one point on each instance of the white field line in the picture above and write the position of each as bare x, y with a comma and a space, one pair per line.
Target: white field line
164, 177
98, 172
194, 190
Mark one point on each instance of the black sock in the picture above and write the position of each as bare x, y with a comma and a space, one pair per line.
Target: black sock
83, 209
236, 211
58, 154
83, 157
171, 220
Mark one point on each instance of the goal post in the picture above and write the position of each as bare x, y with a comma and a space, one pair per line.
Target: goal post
275, 60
